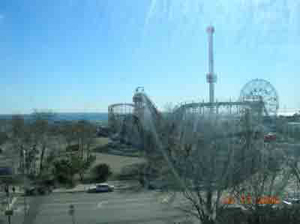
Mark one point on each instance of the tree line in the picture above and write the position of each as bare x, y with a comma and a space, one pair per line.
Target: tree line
47, 149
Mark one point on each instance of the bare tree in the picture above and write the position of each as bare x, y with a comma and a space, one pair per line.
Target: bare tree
34, 137
294, 163
19, 137
210, 161
43, 137
79, 136
204, 157
80, 133
86, 135
261, 191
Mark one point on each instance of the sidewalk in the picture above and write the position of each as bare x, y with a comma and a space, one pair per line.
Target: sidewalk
119, 185
78, 188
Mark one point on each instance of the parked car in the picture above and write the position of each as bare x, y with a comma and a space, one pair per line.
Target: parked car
100, 188
292, 201
270, 137
37, 190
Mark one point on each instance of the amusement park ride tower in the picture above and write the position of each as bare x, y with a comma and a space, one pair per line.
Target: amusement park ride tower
257, 95
211, 78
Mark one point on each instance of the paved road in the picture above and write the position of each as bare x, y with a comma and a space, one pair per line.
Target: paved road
105, 208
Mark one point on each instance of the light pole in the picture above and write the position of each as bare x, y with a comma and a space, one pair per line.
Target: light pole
24, 181
71, 213
9, 211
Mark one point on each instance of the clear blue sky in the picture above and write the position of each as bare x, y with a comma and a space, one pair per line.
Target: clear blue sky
82, 55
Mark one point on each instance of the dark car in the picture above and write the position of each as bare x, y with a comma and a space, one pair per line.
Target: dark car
37, 190
291, 201
100, 188
270, 137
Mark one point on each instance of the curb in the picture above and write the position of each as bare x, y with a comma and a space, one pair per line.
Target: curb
85, 190
70, 192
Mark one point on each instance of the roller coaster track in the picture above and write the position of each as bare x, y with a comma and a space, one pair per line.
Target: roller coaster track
141, 97
116, 114
183, 107
144, 110
130, 120
144, 106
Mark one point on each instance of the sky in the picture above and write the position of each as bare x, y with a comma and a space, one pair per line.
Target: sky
83, 55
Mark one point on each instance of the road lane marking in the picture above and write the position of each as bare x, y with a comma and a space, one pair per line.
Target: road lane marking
99, 205
61, 210
137, 199
21, 209
13, 201
67, 204
168, 198
119, 200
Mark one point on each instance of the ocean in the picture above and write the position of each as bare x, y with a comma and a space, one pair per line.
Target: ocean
92, 117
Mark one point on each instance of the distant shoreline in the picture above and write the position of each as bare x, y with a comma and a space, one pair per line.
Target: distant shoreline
89, 116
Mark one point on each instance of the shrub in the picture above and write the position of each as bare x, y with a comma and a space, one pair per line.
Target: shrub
72, 148
102, 172
3, 137
63, 172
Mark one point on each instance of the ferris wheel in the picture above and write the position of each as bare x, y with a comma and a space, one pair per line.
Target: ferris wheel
260, 89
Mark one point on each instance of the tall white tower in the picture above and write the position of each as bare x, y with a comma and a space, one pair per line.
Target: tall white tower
211, 78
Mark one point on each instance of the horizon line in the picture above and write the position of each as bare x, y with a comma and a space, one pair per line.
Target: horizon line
85, 112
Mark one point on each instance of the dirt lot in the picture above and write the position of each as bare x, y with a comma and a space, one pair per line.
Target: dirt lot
116, 162
99, 142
